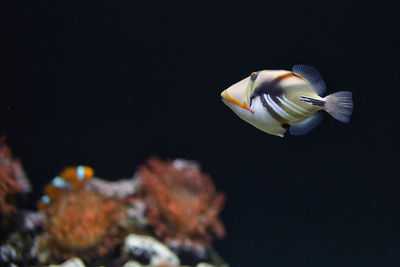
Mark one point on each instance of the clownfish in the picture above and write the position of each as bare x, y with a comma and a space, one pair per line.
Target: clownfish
275, 101
69, 178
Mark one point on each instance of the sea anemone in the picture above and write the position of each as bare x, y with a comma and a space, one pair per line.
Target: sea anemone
183, 205
12, 179
83, 224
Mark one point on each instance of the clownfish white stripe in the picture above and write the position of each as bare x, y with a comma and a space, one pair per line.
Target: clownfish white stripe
295, 106
278, 109
289, 107
80, 172
60, 182
45, 199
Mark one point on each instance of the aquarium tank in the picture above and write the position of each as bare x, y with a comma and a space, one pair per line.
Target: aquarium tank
204, 134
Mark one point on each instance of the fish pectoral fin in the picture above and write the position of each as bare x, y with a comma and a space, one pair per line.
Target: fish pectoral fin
313, 76
306, 126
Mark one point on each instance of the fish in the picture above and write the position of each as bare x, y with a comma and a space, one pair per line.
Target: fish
276, 101
69, 178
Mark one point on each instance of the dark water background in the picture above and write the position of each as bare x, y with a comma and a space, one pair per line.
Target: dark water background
109, 83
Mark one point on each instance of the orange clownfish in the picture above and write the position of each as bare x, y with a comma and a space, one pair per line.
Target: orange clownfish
69, 178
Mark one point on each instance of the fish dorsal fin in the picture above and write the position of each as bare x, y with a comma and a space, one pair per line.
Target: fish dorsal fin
313, 76
307, 125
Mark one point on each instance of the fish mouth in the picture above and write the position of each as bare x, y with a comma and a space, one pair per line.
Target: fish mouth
223, 97
226, 98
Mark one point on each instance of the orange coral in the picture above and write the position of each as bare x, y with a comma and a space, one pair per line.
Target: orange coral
83, 224
9, 185
184, 205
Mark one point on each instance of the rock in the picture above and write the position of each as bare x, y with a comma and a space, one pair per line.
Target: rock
137, 245
38, 252
9, 254
32, 221
74, 262
204, 264
135, 213
183, 163
117, 189
132, 264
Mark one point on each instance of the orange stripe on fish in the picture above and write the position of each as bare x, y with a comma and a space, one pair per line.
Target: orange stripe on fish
231, 99
286, 76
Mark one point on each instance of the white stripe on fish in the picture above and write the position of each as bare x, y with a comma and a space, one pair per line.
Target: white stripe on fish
289, 107
278, 109
295, 105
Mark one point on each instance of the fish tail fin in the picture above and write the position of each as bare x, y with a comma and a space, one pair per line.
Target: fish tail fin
340, 105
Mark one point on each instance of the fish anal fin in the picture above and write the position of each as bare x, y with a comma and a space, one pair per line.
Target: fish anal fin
307, 125
313, 76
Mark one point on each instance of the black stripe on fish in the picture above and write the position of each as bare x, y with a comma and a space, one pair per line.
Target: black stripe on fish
273, 88
312, 101
268, 87
271, 110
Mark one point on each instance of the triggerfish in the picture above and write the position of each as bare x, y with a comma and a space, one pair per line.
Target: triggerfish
277, 100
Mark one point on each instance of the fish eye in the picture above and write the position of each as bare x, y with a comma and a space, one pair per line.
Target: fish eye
253, 76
